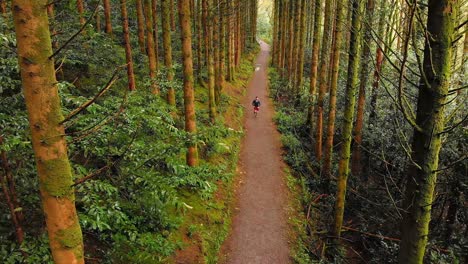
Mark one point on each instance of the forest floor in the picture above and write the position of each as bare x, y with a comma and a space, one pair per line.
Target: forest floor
260, 227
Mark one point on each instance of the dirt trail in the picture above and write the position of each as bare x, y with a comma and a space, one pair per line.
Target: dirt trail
259, 233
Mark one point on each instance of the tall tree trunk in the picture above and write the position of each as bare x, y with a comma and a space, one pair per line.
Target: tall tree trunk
276, 30
302, 39
107, 17
141, 25
49, 145
378, 63
173, 23
199, 34
427, 138
291, 35
166, 27
98, 21
150, 46
3, 7
325, 54
314, 63
218, 47
128, 48
80, 8
365, 58
351, 88
208, 36
189, 100
154, 14
334, 67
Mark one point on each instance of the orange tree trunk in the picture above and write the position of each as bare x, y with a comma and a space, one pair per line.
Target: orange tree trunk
150, 46
49, 145
166, 27
3, 7
128, 48
302, 39
154, 14
80, 8
323, 79
107, 17
141, 25
189, 98
335, 67
356, 156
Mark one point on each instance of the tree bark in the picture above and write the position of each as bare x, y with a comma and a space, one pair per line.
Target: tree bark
150, 46
365, 58
166, 27
430, 119
325, 54
141, 25
49, 145
107, 17
314, 63
189, 100
334, 67
128, 48
351, 88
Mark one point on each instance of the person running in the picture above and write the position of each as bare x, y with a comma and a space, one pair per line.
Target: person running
256, 105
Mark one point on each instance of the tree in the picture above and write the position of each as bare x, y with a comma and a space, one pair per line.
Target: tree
209, 56
45, 117
128, 48
166, 27
351, 89
324, 59
107, 17
153, 63
141, 25
364, 77
334, 67
189, 100
428, 129
314, 62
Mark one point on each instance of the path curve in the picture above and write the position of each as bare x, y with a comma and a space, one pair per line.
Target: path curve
259, 232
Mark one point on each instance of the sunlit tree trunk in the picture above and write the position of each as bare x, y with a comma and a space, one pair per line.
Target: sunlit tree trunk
189, 100
80, 8
47, 132
364, 76
166, 28
140, 25
314, 62
128, 49
3, 7
324, 59
107, 17
150, 46
350, 102
427, 138
334, 67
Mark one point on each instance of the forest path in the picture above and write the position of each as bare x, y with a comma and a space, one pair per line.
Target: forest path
259, 231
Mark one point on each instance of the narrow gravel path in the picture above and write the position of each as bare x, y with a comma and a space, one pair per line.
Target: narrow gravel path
259, 234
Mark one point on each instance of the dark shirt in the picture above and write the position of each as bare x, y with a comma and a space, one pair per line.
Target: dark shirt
256, 103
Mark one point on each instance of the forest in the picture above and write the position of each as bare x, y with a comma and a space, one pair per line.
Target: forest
126, 131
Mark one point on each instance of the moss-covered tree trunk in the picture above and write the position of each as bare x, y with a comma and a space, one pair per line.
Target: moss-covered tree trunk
48, 135
150, 46
334, 67
427, 140
350, 102
189, 98
128, 48
364, 77
208, 37
107, 17
167, 46
314, 63
140, 25
323, 79
218, 50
